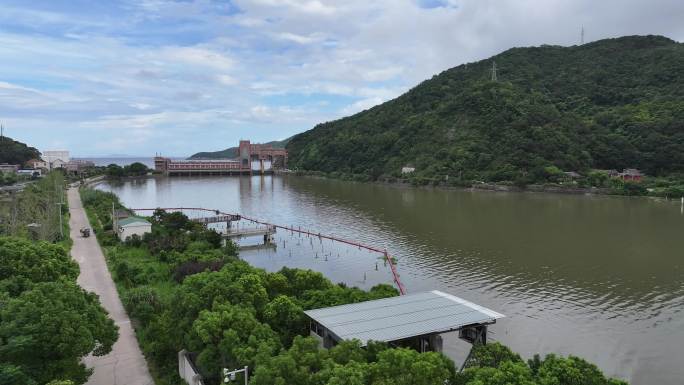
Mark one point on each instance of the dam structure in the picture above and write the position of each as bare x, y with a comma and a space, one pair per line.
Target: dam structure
252, 159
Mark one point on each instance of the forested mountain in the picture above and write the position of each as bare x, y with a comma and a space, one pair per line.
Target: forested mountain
610, 104
232, 152
14, 152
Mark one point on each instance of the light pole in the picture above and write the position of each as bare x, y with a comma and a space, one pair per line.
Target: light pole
230, 376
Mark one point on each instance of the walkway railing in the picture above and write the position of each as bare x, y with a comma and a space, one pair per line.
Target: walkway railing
386, 255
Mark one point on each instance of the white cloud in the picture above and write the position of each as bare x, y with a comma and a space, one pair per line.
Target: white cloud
361, 105
198, 56
301, 39
182, 76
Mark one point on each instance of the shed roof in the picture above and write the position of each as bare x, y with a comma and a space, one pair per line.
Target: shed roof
133, 221
396, 318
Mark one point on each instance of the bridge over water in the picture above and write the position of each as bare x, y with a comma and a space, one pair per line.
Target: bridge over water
267, 230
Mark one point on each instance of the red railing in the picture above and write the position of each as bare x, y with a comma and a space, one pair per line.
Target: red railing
386, 255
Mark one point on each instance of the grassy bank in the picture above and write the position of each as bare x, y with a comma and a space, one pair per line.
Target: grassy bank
184, 290
596, 183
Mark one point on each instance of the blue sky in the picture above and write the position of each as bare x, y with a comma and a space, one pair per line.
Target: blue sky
177, 77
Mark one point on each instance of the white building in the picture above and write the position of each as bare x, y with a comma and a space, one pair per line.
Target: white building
56, 158
133, 226
407, 169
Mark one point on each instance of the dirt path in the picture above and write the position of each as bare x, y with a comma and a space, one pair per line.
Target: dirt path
125, 365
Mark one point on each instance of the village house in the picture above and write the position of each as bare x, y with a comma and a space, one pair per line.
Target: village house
631, 174
130, 226
37, 164
572, 175
9, 168
78, 166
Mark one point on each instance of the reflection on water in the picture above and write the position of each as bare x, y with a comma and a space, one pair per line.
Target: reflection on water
598, 277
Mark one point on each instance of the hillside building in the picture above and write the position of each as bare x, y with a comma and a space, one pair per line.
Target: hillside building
37, 164
631, 174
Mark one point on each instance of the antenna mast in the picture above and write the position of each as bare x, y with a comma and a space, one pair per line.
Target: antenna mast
582, 36
494, 78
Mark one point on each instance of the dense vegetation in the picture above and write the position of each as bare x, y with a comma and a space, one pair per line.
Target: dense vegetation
8, 178
47, 322
232, 152
610, 104
133, 169
35, 212
14, 152
185, 290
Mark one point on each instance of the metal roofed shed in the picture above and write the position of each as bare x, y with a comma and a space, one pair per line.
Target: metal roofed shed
130, 226
414, 320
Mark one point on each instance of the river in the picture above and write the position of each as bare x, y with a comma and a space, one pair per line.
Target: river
594, 276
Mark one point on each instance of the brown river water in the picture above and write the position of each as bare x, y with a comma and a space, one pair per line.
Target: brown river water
594, 276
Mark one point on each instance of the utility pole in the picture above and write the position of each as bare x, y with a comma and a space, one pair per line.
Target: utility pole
494, 78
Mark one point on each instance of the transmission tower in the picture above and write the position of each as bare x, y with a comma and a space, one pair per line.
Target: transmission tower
582, 36
494, 78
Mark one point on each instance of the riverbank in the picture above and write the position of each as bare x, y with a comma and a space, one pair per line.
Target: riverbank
172, 292
492, 187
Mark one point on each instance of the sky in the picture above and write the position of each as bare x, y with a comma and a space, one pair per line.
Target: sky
176, 77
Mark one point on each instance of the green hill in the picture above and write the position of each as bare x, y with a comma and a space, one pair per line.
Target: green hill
14, 152
610, 104
232, 152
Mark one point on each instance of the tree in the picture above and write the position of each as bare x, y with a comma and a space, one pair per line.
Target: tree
25, 263
569, 371
299, 365
495, 364
114, 171
408, 367
45, 331
231, 336
508, 373
14, 152
135, 169
285, 317
622, 111
491, 355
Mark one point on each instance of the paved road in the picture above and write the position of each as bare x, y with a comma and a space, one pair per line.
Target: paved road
125, 365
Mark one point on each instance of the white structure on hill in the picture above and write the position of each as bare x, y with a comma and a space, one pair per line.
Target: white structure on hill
56, 158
